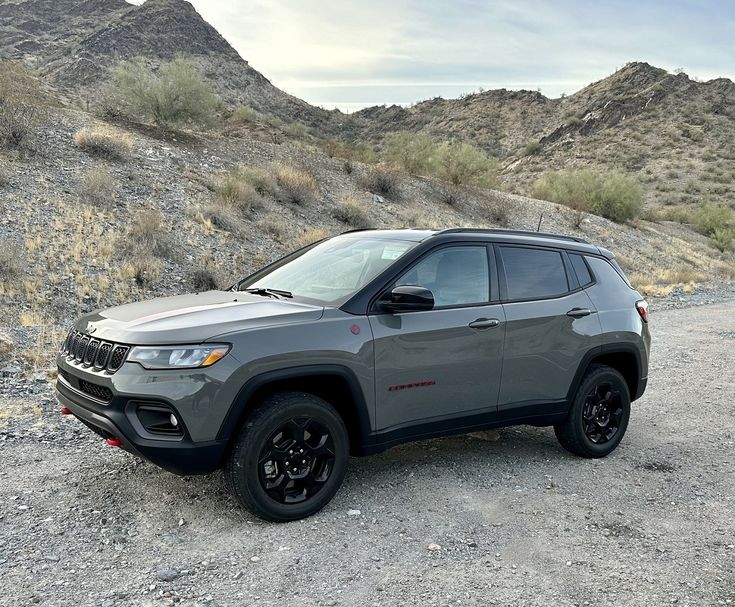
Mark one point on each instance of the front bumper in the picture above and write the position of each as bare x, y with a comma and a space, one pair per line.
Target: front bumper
116, 418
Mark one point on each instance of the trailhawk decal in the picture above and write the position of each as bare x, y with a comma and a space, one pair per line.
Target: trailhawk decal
418, 384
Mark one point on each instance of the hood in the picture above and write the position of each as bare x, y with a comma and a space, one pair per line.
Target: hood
192, 318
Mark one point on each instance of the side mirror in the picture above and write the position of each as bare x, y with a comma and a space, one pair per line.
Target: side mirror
407, 298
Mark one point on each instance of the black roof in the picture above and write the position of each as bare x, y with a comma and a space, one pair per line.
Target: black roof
497, 234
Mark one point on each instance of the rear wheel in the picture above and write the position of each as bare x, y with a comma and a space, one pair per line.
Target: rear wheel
290, 457
599, 415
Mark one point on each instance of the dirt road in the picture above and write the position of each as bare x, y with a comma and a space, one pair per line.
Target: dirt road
518, 520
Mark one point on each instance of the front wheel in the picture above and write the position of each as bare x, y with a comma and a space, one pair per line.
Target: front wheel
290, 457
599, 414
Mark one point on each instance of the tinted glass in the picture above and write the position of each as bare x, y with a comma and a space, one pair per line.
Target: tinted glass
333, 271
533, 273
455, 275
581, 270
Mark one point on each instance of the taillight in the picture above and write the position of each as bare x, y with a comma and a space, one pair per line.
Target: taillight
642, 307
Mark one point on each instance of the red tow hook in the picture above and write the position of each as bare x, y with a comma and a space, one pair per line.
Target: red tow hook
65, 411
114, 441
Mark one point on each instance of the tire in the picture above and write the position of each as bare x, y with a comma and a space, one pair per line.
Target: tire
599, 415
289, 458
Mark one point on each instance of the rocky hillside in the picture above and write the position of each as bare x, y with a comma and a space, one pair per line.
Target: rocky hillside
675, 133
74, 43
95, 214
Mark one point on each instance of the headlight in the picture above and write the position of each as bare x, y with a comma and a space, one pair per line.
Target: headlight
177, 357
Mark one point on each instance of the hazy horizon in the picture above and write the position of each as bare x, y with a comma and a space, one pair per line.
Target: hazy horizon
350, 54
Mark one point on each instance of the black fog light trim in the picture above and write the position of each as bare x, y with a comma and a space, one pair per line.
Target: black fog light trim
157, 419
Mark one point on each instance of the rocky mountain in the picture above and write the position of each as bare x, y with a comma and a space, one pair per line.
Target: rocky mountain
74, 43
676, 133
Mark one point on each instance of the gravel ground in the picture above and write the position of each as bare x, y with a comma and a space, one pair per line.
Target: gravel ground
485, 519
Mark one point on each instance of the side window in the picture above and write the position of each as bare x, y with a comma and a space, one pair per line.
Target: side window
580, 269
455, 275
533, 273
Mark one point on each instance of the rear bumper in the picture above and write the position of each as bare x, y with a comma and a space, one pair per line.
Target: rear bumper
180, 456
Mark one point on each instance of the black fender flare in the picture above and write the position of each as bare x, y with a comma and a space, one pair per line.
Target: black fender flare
614, 348
243, 401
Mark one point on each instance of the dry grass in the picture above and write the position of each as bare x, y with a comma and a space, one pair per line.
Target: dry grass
11, 266
310, 237
660, 283
223, 217
275, 226
205, 278
496, 210
146, 237
417, 217
295, 186
104, 142
262, 181
144, 269
234, 191
353, 213
6, 348
383, 181
98, 187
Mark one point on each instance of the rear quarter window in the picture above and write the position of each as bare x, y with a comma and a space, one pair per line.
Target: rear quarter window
533, 273
580, 269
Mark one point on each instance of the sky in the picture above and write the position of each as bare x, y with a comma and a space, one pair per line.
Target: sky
351, 54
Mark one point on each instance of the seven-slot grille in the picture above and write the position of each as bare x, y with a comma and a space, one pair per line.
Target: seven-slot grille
87, 351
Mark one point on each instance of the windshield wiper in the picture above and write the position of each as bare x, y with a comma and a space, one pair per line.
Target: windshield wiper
277, 293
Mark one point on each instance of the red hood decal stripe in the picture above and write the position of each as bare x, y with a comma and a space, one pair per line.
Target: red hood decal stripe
182, 311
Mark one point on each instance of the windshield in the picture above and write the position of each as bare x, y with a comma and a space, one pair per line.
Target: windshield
334, 270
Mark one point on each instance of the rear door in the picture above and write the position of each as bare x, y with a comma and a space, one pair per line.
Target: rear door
551, 325
443, 363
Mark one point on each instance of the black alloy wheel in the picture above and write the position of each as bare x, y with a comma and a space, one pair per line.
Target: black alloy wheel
289, 457
598, 415
602, 413
296, 461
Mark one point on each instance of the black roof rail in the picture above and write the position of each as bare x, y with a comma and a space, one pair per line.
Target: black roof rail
511, 233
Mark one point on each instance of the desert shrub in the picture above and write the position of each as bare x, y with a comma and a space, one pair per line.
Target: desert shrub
275, 226
6, 348
616, 196
234, 191
532, 148
383, 181
496, 210
353, 213
243, 114
310, 236
710, 217
465, 164
296, 129
97, 187
295, 186
174, 95
146, 236
21, 105
143, 268
450, 194
10, 265
353, 152
414, 152
722, 238
223, 217
204, 279
574, 121
262, 181
104, 142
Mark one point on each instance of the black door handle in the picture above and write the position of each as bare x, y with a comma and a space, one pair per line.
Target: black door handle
484, 323
579, 312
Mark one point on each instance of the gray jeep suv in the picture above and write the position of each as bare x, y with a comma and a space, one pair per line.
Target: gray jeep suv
360, 342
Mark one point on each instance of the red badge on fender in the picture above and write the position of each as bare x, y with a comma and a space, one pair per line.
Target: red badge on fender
355, 329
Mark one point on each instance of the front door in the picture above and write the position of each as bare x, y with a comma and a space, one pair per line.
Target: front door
446, 362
